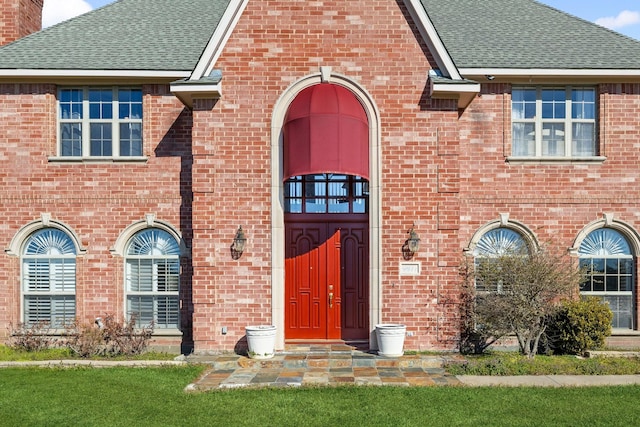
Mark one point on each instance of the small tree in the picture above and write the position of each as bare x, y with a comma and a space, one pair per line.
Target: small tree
479, 328
518, 293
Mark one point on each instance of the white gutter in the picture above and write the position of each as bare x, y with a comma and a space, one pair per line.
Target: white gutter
95, 73
546, 72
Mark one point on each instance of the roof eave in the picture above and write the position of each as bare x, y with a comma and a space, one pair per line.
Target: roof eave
463, 92
187, 91
21, 73
218, 39
432, 39
506, 74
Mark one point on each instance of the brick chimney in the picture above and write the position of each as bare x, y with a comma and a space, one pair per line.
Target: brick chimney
19, 18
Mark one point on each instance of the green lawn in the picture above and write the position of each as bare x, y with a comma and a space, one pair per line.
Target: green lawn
155, 397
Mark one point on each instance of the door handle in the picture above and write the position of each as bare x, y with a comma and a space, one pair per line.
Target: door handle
330, 299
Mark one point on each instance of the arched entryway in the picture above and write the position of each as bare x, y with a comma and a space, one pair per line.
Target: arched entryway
373, 259
326, 206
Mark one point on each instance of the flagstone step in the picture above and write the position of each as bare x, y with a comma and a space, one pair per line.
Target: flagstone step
328, 360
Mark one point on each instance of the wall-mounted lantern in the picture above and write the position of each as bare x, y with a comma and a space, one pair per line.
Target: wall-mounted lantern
413, 241
239, 241
411, 245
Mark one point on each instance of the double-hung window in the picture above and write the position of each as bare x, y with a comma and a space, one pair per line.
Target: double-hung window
553, 122
100, 122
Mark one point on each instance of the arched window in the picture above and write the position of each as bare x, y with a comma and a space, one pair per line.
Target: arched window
500, 241
152, 279
49, 278
496, 243
606, 254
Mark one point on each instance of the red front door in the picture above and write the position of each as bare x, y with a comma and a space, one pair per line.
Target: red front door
312, 269
326, 290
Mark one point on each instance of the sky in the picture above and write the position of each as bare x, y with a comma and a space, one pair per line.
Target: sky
622, 16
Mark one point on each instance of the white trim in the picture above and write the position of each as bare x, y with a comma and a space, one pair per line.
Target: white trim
149, 221
608, 221
503, 221
94, 73
219, 38
547, 160
464, 93
547, 72
277, 194
45, 221
186, 93
456, 87
431, 38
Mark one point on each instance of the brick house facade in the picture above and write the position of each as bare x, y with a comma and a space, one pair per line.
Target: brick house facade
442, 160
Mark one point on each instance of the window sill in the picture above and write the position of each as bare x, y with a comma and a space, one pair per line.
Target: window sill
546, 160
624, 332
169, 332
138, 159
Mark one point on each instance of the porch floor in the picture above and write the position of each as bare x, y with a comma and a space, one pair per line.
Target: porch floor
321, 364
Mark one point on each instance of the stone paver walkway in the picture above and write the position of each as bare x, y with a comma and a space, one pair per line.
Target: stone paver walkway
322, 365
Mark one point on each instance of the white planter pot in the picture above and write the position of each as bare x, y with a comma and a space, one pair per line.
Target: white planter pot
390, 339
261, 340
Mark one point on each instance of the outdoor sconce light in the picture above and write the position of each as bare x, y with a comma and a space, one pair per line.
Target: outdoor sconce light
237, 247
413, 241
411, 245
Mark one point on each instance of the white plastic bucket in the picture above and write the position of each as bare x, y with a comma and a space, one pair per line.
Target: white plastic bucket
261, 340
390, 339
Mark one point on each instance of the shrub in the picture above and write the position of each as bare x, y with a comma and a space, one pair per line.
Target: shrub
35, 337
514, 293
108, 337
580, 325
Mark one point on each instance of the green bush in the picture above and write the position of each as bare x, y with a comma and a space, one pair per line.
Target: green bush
580, 325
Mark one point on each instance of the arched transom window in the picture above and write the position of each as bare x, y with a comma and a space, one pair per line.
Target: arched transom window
152, 279
496, 243
49, 278
499, 242
607, 257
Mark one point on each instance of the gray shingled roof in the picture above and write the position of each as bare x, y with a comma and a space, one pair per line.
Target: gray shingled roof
526, 34
158, 35
170, 35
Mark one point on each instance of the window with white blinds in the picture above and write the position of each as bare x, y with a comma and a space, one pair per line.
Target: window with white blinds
152, 279
49, 278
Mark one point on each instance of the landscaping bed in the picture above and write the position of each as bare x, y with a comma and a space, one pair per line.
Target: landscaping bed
503, 363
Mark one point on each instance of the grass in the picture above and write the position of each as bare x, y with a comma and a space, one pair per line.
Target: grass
155, 396
516, 364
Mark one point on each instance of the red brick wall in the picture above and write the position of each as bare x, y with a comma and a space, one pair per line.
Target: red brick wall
96, 200
555, 201
19, 18
274, 45
443, 170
